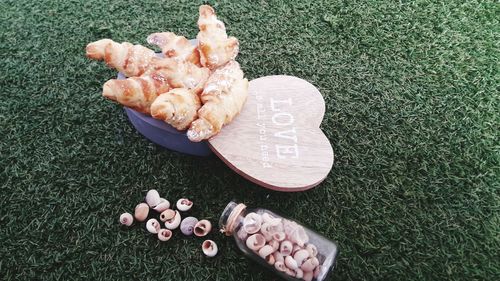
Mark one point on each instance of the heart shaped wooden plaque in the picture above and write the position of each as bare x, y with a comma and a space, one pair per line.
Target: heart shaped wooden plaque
276, 141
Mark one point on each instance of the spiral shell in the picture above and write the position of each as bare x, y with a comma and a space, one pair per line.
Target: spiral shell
164, 234
279, 236
278, 257
299, 273
141, 211
300, 256
174, 222
209, 248
290, 262
280, 266
166, 215
202, 228
252, 223
265, 251
184, 204
275, 244
255, 241
187, 225
126, 219
153, 226
309, 264
313, 251
162, 206
152, 198
286, 248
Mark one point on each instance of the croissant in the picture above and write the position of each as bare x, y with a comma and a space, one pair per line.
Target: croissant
140, 92
136, 92
178, 108
223, 97
216, 49
174, 46
131, 60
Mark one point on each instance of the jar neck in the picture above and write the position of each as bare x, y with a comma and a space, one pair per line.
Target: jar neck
230, 217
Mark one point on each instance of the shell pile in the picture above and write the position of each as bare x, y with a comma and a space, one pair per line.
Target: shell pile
282, 243
171, 219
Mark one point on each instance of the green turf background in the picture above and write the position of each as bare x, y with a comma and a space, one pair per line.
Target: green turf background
412, 96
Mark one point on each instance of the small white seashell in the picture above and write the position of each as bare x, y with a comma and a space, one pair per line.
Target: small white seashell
290, 262
308, 265
256, 241
275, 244
299, 273
152, 198
162, 206
187, 225
266, 217
313, 251
202, 228
126, 219
290, 272
307, 275
295, 249
317, 271
174, 222
300, 256
153, 226
164, 234
252, 223
141, 211
286, 248
270, 259
209, 248
242, 234
295, 232
280, 266
278, 257
184, 204
279, 236
166, 215
265, 251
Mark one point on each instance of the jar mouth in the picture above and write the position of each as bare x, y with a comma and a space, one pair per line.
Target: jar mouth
228, 217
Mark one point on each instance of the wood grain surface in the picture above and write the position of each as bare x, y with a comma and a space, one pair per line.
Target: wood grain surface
276, 141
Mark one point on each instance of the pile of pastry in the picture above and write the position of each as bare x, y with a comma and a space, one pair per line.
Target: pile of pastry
199, 87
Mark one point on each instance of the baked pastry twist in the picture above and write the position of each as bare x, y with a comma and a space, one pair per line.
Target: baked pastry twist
174, 46
216, 49
178, 108
131, 60
223, 97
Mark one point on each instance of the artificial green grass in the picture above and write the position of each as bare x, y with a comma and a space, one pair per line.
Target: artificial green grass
411, 90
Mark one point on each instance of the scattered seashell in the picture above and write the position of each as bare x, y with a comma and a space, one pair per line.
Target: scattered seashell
152, 198
279, 236
153, 226
307, 276
256, 241
141, 211
162, 206
313, 251
286, 248
275, 244
299, 273
187, 225
209, 248
174, 222
166, 215
278, 257
280, 266
184, 204
164, 234
291, 263
202, 228
300, 256
270, 259
126, 219
265, 251
252, 223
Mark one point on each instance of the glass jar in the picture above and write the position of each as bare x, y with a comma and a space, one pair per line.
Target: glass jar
284, 246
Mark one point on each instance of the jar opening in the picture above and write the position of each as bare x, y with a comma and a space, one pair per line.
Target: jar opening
228, 217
